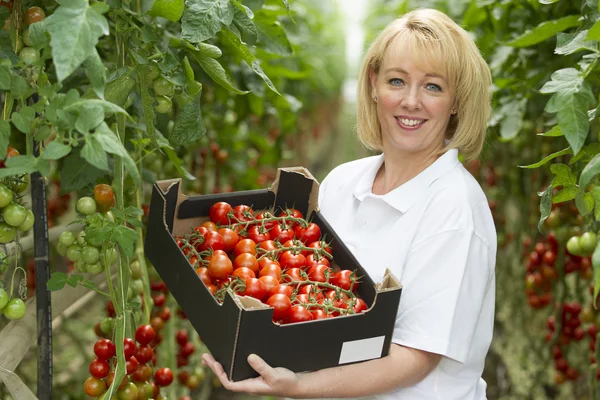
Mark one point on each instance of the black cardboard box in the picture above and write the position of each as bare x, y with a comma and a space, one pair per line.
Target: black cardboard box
242, 325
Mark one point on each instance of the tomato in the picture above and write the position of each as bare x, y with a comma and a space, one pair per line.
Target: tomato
7, 233
281, 306
193, 381
159, 299
291, 260
320, 314
14, 214
144, 353
262, 215
6, 196
111, 377
291, 212
104, 196
211, 288
163, 376
245, 246
146, 390
307, 235
319, 273
299, 314
246, 260
29, 55
131, 365
313, 291
99, 368
211, 226
220, 266
3, 298
86, 206
144, 334
588, 242
282, 234
242, 213
243, 272
212, 240
163, 87
343, 279
574, 247
129, 348
218, 213
282, 289
165, 313
94, 387
265, 261
302, 299
129, 392
33, 15
164, 106
312, 260
201, 230
187, 349
258, 234
337, 301
204, 275
359, 306
168, 9
319, 244
15, 309
230, 238
271, 269
254, 288
269, 282
294, 275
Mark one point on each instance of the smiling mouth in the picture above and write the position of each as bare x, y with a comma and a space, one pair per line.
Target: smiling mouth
410, 123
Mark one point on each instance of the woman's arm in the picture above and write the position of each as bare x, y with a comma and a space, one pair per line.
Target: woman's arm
402, 367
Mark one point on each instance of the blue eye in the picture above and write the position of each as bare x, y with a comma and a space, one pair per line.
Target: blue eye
395, 81
434, 87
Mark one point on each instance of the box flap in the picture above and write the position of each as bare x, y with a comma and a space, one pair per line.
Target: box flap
295, 188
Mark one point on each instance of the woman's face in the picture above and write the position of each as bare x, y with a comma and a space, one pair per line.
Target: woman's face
414, 104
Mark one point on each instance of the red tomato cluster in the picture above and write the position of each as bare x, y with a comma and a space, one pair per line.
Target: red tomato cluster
281, 260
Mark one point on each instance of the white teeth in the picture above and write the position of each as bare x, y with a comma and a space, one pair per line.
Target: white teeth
411, 122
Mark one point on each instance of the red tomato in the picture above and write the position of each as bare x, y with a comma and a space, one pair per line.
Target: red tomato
281, 305
268, 245
104, 196
182, 337
211, 288
258, 234
163, 377
94, 387
204, 275
144, 334
338, 301
343, 279
245, 246
218, 213
263, 215
201, 230
99, 368
230, 239
309, 234
271, 270
314, 292
293, 274
264, 261
319, 273
131, 365
359, 306
144, 354
211, 226
281, 234
212, 240
220, 266
299, 314
291, 260
282, 289
269, 282
302, 299
255, 288
243, 213
291, 212
129, 348
105, 349
320, 314
243, 273
320, 245
143, 373
246, 260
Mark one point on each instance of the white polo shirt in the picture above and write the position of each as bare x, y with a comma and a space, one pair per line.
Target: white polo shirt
437, 235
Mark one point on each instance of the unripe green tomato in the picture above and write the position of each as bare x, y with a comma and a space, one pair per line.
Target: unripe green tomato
553, 220
28, 223
6, 196
588, 242
7, 233
86, 205
81, 265
164, 105
93, 241
29, 55
163, 87
110, 254
66, 238
573, 246
193, 87
23, 182
14, 214
109, 216
62, 249
136, 269
15, 309
137, 286
129, 392
130, 293
3, 299
90, 254
26, 38
145, 391
81, 238
153, 71
94, 268
107, 326
74, 253
18, 45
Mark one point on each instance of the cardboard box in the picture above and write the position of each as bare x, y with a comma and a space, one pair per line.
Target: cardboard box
243, 325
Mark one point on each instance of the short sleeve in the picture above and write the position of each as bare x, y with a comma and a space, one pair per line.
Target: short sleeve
445, 281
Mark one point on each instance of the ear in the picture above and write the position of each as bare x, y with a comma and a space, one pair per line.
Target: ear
373, 80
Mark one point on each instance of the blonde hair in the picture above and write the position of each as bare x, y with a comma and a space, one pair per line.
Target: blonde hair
441, 42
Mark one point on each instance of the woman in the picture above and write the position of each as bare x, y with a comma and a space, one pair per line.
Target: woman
423, 98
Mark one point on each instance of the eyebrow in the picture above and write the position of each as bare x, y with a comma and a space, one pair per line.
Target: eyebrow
401, 70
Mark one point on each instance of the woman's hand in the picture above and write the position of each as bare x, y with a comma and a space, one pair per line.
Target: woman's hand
272, 381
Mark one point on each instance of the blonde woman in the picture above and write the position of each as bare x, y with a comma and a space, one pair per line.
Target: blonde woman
423, 98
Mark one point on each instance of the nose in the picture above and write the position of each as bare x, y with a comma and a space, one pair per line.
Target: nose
412, 99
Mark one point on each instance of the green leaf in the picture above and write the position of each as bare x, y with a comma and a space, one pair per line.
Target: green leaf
23, 119
596, 195
548, 158
202, 19
74, 29
147, 108
73, 280
554, 132
248, 56
20, 88
126, 238
189, 125
38, 34
513, 121
272, 36
216, 72
563, 175
111, 144
94, 153
75, 173
242, 19
88, 284
544, 31
594, 32
586, 154
56, 150
90, 116
201, 48
81, 106
584, 202
565, 194
589, 171
57, 281
4, 136
19, 165
95, 72
4, 77
545, 206
118, 90
569, 43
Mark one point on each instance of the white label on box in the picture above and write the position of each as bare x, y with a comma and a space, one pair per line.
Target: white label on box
361, 350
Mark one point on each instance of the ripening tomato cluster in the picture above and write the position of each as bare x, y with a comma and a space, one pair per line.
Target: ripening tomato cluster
186, 349
280, 260
541, 271
28, 55
139, 382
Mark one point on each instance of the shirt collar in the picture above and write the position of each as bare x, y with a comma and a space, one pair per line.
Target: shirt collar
404, 196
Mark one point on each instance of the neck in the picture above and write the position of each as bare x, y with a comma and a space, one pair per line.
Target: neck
396, 171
